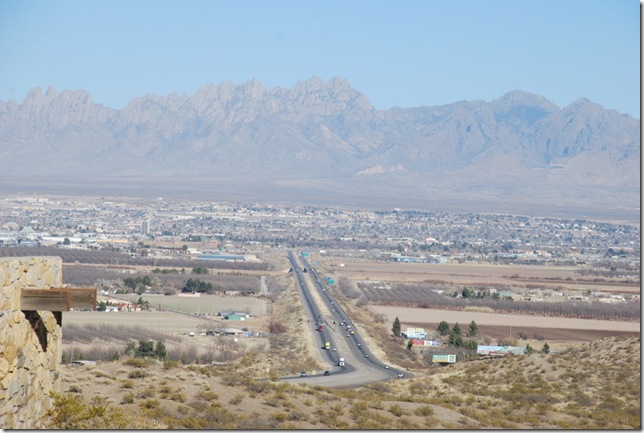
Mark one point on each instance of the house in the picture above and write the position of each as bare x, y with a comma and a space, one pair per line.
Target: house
225, 313
231, 314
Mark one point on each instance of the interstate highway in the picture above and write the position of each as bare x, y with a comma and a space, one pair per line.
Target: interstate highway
361, 366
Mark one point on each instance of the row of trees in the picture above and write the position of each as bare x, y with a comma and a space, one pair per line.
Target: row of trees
198, 286
545, 349
147, 349
455, 336
426, 296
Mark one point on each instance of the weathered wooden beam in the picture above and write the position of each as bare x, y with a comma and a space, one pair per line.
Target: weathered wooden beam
58, 299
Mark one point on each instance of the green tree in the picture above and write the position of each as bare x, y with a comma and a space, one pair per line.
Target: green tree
473, 330
466, 293
146, 348
200, 270
443, 328
191, 286
545, 348
455, 339
456, 329
66, 241
160, 351
130, 348
396, 327
528, 349
102, 306
410, 344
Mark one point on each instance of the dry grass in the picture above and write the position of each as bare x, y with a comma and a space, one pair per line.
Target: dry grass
594, 386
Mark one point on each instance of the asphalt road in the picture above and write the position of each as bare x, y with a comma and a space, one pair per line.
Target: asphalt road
361, 367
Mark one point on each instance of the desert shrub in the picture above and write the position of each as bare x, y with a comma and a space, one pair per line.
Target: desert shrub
218, 418
295, 415
137, 374
257, 386
151, 403
397, 410
127, 384
146, 393
277, 328
138, 362
207, 395
418, 388
379, 387
278, 417
255, 421
235, 400
128, 398
70, 412
75, 389
177, 396
169, 364
231, 380
424, 411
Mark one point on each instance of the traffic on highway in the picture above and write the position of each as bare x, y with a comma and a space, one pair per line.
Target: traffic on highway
340, 341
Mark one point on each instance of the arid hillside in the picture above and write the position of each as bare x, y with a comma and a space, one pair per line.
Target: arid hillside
593, 386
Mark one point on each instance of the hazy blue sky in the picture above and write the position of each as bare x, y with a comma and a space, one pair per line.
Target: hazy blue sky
398, 53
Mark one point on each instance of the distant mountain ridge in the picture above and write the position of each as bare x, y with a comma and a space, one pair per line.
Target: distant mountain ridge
324, 139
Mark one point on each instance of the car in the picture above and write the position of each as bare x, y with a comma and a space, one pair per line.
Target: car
303, 374
400, 375
327, 372
333, 349
366, 355
348, 335
386, 366
359, 345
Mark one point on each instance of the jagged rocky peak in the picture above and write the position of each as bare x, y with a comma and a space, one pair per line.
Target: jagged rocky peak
519, 97
336, 94
583, 105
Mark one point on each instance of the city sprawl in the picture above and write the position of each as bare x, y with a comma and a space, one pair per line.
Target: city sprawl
248, 229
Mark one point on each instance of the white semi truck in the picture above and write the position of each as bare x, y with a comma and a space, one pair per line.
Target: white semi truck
341, 362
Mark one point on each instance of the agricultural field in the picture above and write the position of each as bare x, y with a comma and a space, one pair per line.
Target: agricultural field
204, 304
542, 276
419, 295
98, 335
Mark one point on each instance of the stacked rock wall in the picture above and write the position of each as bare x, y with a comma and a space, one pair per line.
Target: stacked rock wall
30, 343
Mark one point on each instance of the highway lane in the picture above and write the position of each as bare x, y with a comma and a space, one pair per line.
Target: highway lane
361, 366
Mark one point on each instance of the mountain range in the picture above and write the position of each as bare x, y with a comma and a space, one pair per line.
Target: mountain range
324, 143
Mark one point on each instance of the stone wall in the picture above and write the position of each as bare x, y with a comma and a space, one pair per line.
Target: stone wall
30, 343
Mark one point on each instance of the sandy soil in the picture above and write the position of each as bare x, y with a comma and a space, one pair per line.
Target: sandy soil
471, 273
